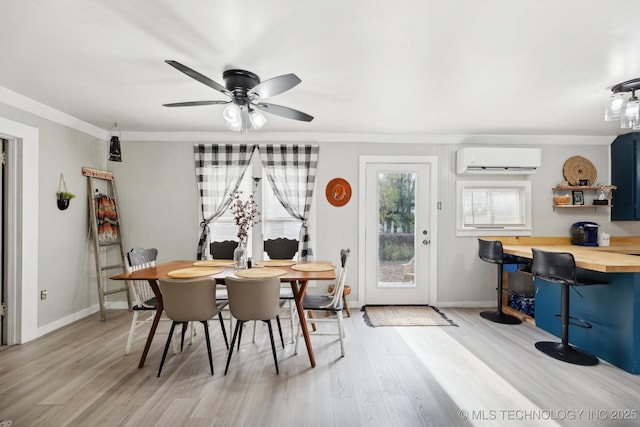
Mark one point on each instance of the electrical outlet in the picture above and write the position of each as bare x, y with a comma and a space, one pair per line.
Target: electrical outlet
43, 294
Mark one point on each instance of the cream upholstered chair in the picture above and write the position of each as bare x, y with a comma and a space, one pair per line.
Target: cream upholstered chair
331, 304
253, 299
143, 298
282, 248
189, 300
142, 294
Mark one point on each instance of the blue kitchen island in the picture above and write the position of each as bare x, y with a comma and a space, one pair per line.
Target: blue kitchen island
613, 310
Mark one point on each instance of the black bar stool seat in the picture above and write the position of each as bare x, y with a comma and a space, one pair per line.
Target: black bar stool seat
491, 252
560, 268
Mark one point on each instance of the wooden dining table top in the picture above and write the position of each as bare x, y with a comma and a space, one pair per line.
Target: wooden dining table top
161, 271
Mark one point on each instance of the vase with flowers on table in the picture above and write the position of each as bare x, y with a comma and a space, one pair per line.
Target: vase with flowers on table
246, 215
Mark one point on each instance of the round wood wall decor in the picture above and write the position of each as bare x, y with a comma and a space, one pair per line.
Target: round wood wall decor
579, 168
338, 192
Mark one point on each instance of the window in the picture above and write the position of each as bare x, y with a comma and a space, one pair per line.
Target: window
224, 228
275, 221
493, 208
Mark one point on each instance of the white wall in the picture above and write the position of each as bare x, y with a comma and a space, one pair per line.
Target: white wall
63, 263
167, 217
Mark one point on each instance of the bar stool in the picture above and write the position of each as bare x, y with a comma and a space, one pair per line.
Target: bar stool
491, 251
560, 268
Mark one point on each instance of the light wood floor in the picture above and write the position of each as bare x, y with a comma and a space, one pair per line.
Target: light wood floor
411, 376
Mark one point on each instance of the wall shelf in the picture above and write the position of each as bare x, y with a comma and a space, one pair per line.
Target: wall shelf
582, 206
584, 188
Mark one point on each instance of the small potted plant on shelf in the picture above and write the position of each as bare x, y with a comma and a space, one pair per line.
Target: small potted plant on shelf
63, 198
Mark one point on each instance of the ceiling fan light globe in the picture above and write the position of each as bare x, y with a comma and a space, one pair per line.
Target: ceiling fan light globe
234, 126
231, 113
257, 119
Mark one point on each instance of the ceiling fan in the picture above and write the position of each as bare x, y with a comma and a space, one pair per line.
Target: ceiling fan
246, 92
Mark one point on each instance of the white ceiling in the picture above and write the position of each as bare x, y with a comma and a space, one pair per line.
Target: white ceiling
367, 66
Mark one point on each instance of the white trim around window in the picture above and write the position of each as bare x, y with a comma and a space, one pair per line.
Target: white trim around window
493, 208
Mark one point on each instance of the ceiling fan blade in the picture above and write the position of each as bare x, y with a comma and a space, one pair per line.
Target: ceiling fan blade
195, 103
199, 77
275, 86
281, 111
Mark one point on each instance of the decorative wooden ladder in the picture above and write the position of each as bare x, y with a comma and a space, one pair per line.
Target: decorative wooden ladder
101, 248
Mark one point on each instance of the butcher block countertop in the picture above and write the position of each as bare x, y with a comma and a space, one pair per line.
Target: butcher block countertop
617, 258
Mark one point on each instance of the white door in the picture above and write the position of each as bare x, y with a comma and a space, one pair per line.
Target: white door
398, 233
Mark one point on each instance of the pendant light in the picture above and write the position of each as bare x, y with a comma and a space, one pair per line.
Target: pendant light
621, 106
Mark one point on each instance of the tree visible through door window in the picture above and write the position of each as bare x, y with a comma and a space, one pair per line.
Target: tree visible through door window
396, 206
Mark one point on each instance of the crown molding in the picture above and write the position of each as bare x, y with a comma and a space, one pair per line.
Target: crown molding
39, 109
31, 106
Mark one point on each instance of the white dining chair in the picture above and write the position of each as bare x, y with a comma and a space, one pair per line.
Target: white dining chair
143, 298
331, 304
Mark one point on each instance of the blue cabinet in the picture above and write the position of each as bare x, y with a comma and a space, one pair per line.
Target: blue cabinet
625, 172
613, 311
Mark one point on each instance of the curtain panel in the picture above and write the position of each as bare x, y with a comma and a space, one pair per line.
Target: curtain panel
219, 171
291, 171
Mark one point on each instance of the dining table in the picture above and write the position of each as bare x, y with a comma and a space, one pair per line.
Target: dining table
298, 278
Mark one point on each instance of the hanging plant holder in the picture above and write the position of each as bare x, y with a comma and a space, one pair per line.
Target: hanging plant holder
63, 197
63, 204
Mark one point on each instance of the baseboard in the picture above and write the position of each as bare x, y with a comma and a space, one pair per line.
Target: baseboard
115, 305
43, 330
466, 304
458, 304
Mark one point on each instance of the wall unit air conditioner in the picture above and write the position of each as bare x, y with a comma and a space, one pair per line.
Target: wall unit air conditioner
498, 160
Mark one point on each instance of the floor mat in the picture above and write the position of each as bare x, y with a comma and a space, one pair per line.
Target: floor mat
404, 315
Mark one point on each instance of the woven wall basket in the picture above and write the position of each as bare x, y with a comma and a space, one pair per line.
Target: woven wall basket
578, 168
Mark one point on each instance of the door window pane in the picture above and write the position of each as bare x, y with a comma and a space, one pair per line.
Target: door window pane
396, 230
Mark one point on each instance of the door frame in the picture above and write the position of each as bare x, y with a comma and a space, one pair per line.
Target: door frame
432, 161
22, 232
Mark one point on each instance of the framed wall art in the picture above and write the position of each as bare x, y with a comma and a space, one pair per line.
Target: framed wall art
578, 197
